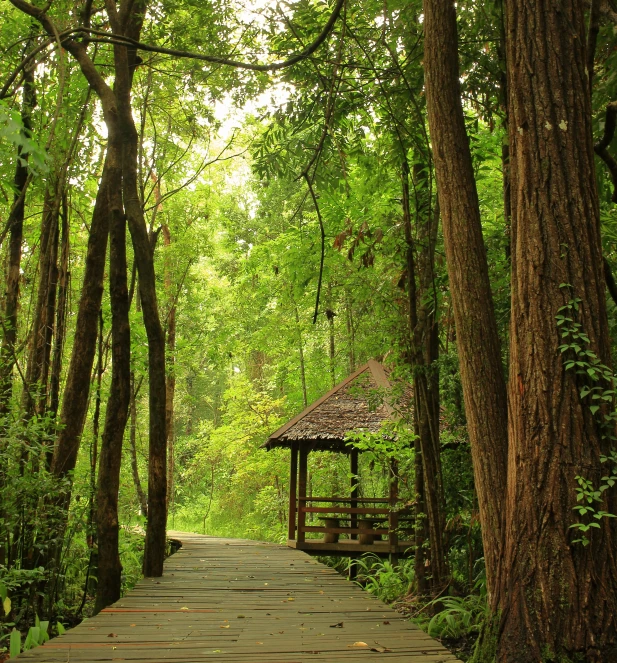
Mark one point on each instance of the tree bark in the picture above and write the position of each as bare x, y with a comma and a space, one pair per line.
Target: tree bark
557, 598
77, 388
170, 357
422, 357
144, 256
109, 567
16, 224
141, 496
63, 284
35, 388
301, 351
476, 329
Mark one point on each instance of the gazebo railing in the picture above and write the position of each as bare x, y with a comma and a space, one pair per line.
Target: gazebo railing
366, 523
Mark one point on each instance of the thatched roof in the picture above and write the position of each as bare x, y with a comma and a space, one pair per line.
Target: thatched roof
350, 406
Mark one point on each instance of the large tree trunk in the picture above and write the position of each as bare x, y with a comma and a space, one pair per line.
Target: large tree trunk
144, 256
556, 596
77, 388
109, 567
35, 388
476, 329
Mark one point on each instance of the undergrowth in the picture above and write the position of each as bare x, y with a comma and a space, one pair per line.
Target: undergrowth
455, 617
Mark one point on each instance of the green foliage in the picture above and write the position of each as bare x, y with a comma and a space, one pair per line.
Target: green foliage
598, 392
381, 578
457, 616
13, 134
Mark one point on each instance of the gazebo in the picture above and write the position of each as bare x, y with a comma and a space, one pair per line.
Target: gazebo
350, 524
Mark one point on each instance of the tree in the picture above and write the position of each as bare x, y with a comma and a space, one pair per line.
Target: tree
476, 330
542, 582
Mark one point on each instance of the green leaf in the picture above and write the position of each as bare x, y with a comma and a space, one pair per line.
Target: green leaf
6, 606
32, 639
14, 643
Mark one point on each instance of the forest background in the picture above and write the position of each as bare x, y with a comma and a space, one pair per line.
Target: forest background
269, 232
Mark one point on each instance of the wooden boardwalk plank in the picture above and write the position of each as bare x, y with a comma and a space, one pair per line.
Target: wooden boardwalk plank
239, 601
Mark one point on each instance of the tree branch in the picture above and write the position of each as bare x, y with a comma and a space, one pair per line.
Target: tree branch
107, 38
323, 243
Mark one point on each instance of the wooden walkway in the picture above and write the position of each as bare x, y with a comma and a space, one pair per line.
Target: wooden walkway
239, 601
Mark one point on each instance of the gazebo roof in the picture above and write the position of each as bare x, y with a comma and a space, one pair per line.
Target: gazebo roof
325, 423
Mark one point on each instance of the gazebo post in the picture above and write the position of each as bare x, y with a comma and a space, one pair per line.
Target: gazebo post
301, 536
293, 492
354, 490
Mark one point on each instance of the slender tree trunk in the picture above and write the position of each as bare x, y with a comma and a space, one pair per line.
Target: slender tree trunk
9, 337
420, 529
302, 364
331, 347
47, 330
141, 496
557, 599
16, 224
171, 376
91, 534
350, 333
63, 284
476, 329
109, 567
421, 320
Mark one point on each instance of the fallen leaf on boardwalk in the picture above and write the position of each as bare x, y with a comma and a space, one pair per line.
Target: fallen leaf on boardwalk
339, 625
185, 608
259, 643
386, 622
224, 626
240, 617
361, 645
133, 625
381, 650
112, 635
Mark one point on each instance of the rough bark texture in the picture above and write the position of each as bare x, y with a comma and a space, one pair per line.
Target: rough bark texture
557, 599
34, 393
476, 330
144, 257
109, 566
77, 388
